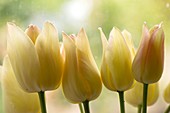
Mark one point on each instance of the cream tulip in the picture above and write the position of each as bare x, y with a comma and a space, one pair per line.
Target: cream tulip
37, 67
116, 61
81, 81
134, 96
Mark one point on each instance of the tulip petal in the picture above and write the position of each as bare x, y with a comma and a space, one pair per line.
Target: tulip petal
51, 62
104, 39
32, 31
127, 36
24, 59
82, 44
15, 99
167, 93
139, 61
70, 78
153, 94
105, 72
89, 81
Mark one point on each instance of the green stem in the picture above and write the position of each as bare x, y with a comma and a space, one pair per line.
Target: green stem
167, 110
139, 108
86, 106
41, 95
81, 108
145, 93
121, 99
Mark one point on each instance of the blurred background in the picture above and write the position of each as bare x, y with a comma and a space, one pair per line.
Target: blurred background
70, 16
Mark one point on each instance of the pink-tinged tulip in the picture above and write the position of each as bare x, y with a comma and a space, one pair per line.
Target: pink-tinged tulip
134, 96
148, 63
117, 60
14, 98
81, 81
36, 57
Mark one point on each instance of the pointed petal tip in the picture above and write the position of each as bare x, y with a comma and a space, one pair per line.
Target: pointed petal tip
99, 28
64, 35
144, 22
10, 25
48, 22
82, 30
161, 24
125, 31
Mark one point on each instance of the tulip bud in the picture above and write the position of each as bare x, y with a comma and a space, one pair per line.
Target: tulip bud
81, 79
32, 31
14, 98
167, 94
134, 96
37, 67
116, 61
148, 63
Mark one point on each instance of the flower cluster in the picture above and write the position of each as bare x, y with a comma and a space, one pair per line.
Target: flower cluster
37, 62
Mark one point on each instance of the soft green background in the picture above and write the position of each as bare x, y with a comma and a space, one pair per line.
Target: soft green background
124, 14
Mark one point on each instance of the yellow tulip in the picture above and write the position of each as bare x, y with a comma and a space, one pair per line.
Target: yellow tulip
167, 94
14, 98
148, 63
117, 60
81, 81
37, 67
134, 96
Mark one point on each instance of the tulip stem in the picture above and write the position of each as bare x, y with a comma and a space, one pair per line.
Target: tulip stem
41, 95
121, 99
139, 108
145, 93
167, 110
81, 108
86, 106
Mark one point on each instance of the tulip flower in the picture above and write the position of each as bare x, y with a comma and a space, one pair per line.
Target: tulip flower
149, 60
134, 96
116, 61
14, 98
148, 63
81, 81
118, 53
36, 59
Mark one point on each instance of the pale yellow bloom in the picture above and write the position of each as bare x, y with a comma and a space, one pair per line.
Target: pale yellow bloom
167, 93
81, 79
134, 96
149, 60
14, 98
117, 60
37, 67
